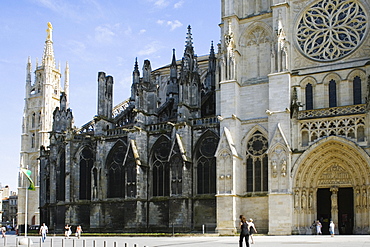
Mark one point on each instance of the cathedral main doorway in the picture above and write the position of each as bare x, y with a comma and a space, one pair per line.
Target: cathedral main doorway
344, 210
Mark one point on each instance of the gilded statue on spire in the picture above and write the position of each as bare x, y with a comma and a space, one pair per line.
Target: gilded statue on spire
49, 31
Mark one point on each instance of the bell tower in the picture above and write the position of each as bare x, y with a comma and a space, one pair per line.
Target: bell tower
41, 98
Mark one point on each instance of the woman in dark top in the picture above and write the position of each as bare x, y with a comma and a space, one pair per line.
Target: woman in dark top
244, 231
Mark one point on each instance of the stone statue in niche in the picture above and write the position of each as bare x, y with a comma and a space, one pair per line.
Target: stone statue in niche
274, 169
304, 199
296, 199
283, 168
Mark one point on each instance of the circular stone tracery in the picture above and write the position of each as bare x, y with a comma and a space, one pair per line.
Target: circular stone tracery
331, 29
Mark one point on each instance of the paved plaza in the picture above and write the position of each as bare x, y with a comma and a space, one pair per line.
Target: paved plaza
205, 241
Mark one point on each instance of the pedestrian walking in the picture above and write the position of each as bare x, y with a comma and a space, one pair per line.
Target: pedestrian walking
244, 231
43, 231
67, 231
3, 231
252, 229
78, 231
318, 227
331, 228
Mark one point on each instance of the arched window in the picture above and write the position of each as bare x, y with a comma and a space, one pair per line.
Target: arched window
176, 174
257, 163
130, 175
61, 173
39, 119
206, 164
360, 134
309, 97
357, 90
33, 120
116, 178
332, 93
33, 140
86, 164
160, 167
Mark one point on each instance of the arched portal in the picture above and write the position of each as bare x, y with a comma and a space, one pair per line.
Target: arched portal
331, 182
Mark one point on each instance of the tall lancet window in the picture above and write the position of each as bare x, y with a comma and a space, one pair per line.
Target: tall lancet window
61, 177
116, 178
257, 163
206, 164
357, 90
160, 167
130, 174
332, 93
86, 164
309, 97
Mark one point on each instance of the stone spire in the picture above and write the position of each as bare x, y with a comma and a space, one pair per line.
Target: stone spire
66, 84
48, 56
135, 81
189, 42
173, 67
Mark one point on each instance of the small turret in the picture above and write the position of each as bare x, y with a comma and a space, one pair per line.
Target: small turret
28, 77
147, 71
105, 95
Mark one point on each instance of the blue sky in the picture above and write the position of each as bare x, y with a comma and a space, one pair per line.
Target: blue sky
92, 36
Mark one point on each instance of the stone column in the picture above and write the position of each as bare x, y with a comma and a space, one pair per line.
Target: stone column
334, 207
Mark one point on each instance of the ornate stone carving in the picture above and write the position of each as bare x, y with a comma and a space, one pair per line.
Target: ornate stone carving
334, 175
330, 30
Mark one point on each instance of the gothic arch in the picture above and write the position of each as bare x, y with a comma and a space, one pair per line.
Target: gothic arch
332, 76
255, 128
356, 72
255, 44
322, 155
247, 34
205, 163
115, 172
159, 165
306, 80
85, 160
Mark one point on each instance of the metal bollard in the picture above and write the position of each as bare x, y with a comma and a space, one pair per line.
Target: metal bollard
40, 242
63, 242
114, 244
51, 242
29, 242
105, 243
126, 245
16, 242
84, 243
5, 241
94, 243
74, 243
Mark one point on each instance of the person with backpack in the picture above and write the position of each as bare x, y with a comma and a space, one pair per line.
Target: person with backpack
244, 231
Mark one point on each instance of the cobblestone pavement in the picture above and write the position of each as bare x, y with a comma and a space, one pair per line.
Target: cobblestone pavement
205, 241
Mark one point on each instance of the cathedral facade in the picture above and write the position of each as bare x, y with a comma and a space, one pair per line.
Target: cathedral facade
274, 126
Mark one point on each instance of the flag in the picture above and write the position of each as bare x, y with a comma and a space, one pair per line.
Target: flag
27, 173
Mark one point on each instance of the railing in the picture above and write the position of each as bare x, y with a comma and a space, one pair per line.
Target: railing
332, 111
204, 121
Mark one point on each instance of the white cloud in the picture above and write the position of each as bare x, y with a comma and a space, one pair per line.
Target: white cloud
161, 3
160, 22
104, 33
142, 31
174, 24
150, 49
178, 4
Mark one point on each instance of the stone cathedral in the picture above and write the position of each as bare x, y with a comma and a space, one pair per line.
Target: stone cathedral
274, 125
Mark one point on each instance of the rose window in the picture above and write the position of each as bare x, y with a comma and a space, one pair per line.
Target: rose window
331, 29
